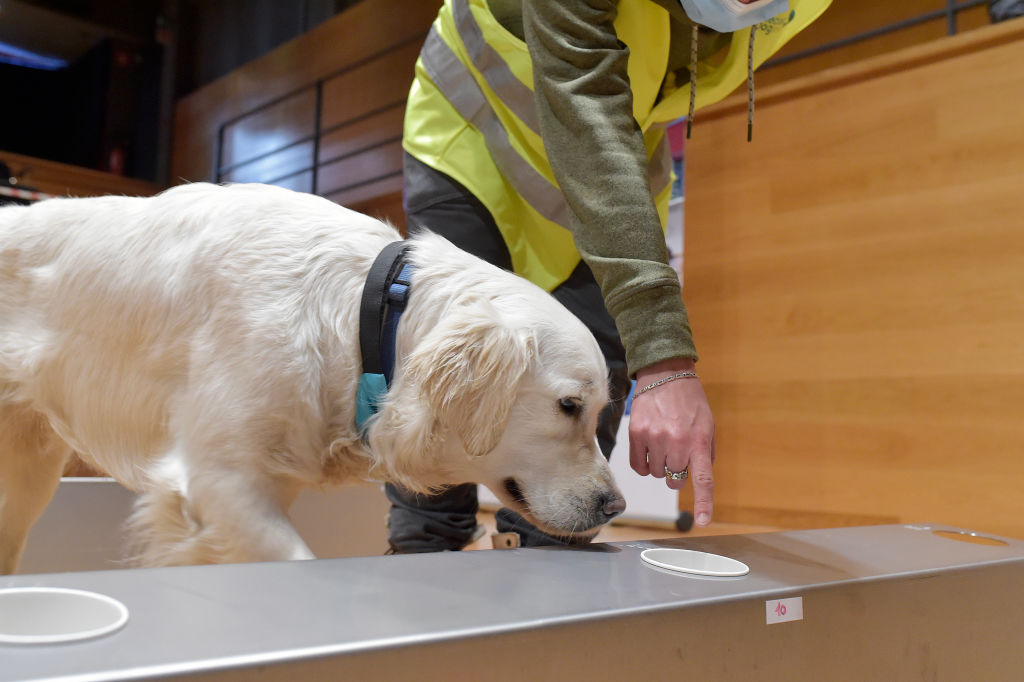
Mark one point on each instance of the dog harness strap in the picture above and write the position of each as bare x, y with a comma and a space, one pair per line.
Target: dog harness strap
398, 292
384, 296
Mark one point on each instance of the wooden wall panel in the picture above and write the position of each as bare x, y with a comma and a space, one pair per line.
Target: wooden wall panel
373, 130
855, 278
845, 18
279, 124
367, 32
374, 164
379, 83
300, 182
381, 198
291, 160
975, 17
62, 179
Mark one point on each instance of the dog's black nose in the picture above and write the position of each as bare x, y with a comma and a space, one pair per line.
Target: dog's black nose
612, 506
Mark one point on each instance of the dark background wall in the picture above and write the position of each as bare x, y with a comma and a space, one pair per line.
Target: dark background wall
217, 36
127, 62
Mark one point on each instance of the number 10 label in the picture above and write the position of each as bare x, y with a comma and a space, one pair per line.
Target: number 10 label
783, 610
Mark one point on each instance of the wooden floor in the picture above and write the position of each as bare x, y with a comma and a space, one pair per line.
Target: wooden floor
629, 531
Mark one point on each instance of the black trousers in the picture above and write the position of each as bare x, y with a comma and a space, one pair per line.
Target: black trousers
436, 202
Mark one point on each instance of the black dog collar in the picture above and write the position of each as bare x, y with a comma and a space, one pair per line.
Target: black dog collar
384, 296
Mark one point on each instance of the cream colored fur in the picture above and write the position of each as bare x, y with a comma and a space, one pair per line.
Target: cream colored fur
201, 347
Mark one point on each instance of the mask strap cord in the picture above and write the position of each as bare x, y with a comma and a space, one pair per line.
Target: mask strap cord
750, 84
694, 37
694, 41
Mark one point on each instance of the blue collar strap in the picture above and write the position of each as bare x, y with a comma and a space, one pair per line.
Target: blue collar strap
384, 295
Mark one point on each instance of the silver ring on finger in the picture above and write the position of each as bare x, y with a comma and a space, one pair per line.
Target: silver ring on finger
677, 475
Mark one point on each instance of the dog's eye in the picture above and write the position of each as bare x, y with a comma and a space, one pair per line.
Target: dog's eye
570, 406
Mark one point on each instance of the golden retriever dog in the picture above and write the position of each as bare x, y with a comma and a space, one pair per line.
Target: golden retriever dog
202, 347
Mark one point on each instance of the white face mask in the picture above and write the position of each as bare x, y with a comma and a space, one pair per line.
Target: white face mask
726, 16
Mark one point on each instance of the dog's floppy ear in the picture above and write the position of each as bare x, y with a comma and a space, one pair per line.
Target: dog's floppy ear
468, 369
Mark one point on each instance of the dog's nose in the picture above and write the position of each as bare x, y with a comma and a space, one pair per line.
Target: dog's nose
613, 506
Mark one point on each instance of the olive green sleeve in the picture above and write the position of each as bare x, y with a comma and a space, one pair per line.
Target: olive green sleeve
596, 149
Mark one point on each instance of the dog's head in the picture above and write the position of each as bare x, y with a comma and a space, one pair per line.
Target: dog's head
503, 387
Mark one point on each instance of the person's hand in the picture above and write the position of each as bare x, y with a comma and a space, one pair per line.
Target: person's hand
670, 426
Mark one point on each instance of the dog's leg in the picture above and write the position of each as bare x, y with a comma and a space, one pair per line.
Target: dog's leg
32, 458
246, 515
219, 517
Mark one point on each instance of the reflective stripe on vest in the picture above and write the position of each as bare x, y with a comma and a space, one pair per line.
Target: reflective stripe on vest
495, 70
456, 83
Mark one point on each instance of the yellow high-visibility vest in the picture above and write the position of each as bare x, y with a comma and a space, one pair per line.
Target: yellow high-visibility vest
470, 115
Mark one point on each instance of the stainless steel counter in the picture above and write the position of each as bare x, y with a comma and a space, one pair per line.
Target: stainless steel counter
883, 602
82, 528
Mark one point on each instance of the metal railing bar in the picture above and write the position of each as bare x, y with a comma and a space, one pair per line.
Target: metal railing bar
219, 154
317, 133
867, 35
